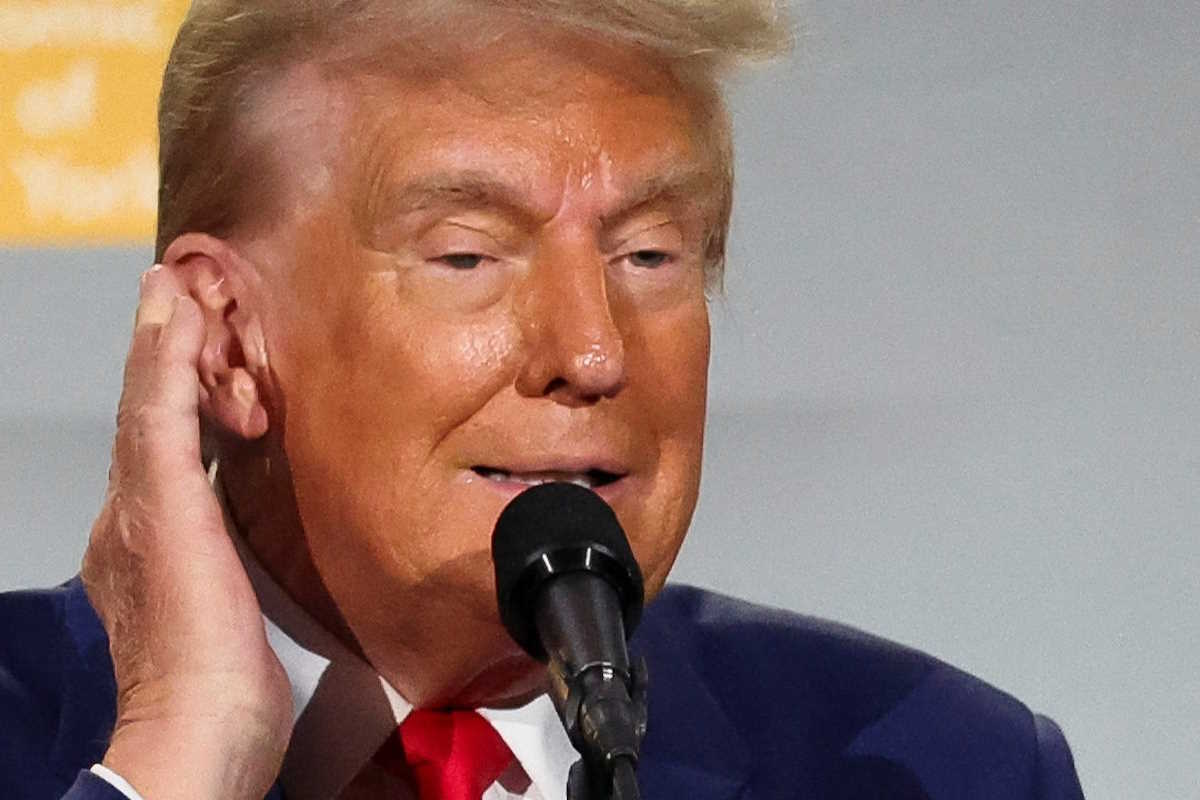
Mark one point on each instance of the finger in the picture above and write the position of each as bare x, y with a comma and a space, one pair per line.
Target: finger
157, 292
155, 299
158, 424
173, 385
175, 381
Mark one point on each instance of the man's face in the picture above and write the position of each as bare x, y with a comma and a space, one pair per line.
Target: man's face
494, 276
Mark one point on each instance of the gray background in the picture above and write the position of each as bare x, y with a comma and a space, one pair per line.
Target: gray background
956, 379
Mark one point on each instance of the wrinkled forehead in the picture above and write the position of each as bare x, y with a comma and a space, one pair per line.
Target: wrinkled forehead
357, 124
538, 124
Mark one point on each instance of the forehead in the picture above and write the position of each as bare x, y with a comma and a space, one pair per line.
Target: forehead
590, 135
533, 110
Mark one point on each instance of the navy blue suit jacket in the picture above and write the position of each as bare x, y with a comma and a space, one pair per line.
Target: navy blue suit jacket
745, 702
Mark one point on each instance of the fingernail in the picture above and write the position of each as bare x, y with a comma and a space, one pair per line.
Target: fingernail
146, 275
154, 310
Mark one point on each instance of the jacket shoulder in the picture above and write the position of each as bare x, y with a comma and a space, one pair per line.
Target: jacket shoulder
846, 710
756, 657
56, 690
30, 627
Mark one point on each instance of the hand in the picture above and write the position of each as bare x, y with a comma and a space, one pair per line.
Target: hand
204, 708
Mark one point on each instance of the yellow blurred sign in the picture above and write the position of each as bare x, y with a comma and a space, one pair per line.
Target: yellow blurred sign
78, 144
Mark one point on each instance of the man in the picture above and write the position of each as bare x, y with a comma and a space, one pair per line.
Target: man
415, 257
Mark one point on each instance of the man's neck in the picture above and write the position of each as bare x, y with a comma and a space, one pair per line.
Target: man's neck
259, 497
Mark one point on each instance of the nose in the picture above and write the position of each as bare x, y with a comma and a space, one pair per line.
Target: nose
576, 353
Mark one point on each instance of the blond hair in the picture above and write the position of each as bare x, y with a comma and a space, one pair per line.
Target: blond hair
227, 51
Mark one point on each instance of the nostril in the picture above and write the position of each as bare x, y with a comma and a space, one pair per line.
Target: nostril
554, 386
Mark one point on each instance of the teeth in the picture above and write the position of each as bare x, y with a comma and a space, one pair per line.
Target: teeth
537, 478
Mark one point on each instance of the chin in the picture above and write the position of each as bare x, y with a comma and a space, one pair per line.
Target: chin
512, 680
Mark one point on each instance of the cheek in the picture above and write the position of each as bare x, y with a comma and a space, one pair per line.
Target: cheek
668, 362
476, 358
382, 390
366, 359
372, 450
672, 375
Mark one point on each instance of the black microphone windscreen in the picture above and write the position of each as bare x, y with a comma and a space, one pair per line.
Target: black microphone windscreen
551, 529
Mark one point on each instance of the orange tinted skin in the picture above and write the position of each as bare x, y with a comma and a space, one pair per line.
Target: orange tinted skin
479, 269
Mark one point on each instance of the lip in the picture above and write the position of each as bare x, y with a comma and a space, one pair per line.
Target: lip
609, 492
571, 463
510, 489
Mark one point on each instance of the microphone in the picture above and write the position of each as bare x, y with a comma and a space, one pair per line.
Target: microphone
570, 593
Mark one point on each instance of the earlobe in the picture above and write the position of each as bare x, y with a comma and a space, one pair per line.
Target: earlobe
232, 368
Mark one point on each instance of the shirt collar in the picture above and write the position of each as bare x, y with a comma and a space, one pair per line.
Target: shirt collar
344, 710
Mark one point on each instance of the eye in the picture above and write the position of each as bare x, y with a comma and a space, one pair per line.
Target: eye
462, 261
649, 259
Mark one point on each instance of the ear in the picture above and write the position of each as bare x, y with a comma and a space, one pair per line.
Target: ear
233, 367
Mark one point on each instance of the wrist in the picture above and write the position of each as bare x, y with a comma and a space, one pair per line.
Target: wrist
208, 756
116, 781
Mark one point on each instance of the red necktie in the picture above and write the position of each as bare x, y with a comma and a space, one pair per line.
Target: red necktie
450, 755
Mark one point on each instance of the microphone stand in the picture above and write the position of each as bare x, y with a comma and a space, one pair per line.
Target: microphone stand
605, 716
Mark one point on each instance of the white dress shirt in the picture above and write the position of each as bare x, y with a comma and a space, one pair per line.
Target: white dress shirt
344, 711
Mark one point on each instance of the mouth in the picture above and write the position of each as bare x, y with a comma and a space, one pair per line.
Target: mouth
589, 479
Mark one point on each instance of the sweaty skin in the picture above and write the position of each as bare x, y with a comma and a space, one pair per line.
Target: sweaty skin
465, 279
508, 274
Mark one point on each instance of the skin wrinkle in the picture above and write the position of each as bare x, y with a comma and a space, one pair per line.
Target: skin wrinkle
129, 552
698, 44
537, 104
394, 391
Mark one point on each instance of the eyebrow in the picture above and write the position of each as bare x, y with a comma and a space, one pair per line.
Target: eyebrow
454, 189
482, 190
687, 183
